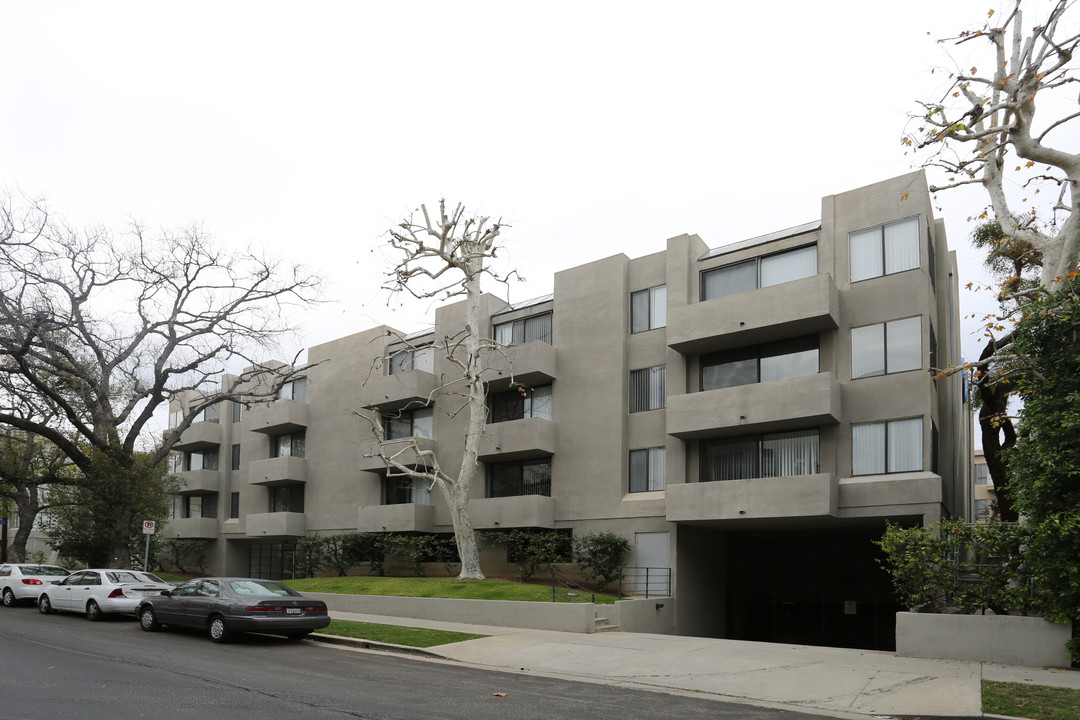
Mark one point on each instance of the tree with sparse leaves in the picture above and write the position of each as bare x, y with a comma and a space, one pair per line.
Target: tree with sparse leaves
446, 256
984, 130
106, 328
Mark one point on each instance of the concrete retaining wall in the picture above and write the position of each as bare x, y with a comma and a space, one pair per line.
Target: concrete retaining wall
653, 615
567, 617
1006, 639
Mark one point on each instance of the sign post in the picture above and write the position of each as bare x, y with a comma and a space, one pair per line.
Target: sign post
148, 528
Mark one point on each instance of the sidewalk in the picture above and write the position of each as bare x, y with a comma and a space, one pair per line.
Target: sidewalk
838, 681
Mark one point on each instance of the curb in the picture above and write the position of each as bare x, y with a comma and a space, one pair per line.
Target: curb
373, 645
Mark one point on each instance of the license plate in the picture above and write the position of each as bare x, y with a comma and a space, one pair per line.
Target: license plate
293, 611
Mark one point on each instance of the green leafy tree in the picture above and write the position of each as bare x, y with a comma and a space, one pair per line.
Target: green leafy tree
111, 500
310, 555
1045, 462
183, 556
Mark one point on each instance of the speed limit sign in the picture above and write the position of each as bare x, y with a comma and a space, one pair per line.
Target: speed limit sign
148, 527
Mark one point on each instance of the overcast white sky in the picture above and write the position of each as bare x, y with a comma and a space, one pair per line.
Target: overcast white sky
593, 128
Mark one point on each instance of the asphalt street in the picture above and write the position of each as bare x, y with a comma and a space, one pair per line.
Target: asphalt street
56, 667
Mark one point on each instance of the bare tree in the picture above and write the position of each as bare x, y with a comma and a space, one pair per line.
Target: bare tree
984, 131
107, 328
446, 257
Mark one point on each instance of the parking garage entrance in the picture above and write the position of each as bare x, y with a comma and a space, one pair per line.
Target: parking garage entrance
810, 588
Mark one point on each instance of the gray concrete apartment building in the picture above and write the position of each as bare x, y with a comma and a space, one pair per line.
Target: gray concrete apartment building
748, 416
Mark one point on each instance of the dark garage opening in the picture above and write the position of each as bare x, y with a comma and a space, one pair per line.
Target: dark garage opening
810, 588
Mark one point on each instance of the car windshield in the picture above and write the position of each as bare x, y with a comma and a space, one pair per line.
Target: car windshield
123, 577
44, 570
261, 587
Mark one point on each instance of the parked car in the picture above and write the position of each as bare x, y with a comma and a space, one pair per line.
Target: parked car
23, 581
99, 591
228, 606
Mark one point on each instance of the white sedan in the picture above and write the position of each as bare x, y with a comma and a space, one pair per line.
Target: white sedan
99, 591
24, 581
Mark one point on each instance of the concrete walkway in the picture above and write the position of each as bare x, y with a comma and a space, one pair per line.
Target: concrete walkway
838, 682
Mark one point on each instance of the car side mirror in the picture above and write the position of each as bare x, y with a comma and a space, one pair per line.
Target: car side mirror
167, 593
56, 582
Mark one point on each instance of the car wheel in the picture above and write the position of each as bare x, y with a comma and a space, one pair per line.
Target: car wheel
9, 598
44, 605
219, 630
298, 635
148, 620
93, 610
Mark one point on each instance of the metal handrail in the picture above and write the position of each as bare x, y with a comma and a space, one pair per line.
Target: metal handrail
657, 581
563, 589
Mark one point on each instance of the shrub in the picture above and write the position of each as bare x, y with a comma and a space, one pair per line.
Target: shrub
365, 547
184, 555
310, 555
600, 556
531, 551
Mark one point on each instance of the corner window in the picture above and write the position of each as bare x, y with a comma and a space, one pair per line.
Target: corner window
648, 389
409, 423
521, 403
982, 474
759, 272
523, 330
291, 445
234, 505
405, 491
287, 498
235, 457
886, 348
513, 479
237, 412
647, 470
413, 359
210, 414
295, 389
887, 447
205, 460
648, 309
760, 456
885, 249
175, 418
760, 363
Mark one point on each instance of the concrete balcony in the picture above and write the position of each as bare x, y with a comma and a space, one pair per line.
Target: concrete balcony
405, 517
524, 511
190, 529
199, 436
530, 364
799, 307
404, 450
808, 401
758, 499
199, 482
278, 418
276, 525
278, 471
393, 392
518, 439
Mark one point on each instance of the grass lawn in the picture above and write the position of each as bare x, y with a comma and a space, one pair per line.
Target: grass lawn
398, 635
1030, 701
433, 588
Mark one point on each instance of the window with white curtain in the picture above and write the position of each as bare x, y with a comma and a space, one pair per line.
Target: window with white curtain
416, 423
413, 359
520, 403
887, 447
760, 456
406, 491
523, 330
295, 389
648, 309
648, 389
204, 460
760, 363
885, 249
759, 272
647, 470
884, 348
290, 445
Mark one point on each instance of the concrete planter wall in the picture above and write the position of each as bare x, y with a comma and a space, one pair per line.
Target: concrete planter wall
655, 615
1005, 639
